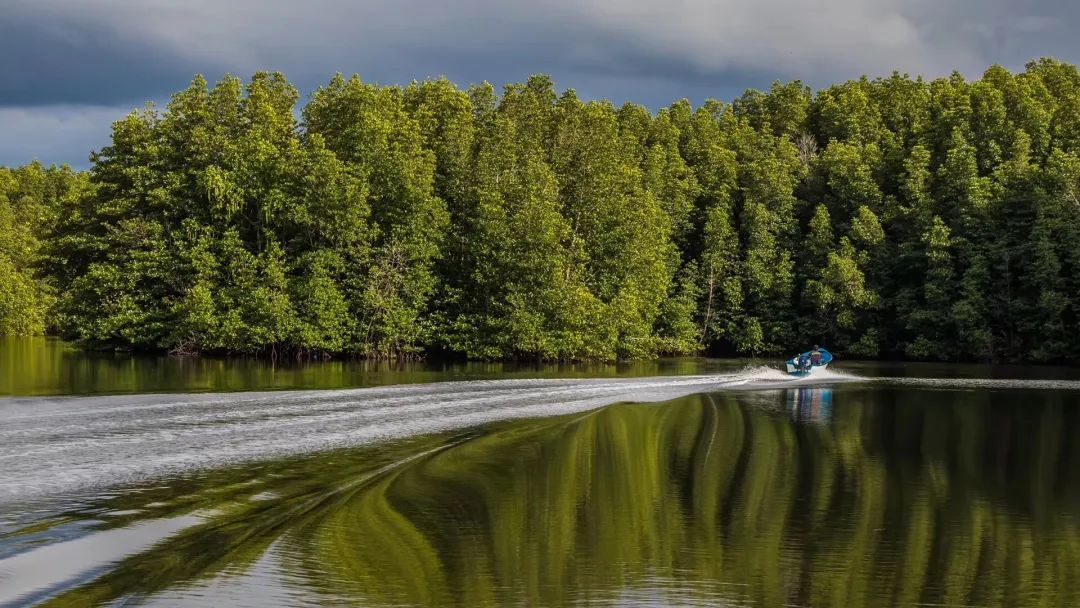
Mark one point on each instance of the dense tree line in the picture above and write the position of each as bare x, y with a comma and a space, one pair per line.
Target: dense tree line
894, 216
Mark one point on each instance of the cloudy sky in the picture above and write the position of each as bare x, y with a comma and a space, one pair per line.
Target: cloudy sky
70, 67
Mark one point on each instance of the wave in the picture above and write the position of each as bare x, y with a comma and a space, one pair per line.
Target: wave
52, 445
983, 383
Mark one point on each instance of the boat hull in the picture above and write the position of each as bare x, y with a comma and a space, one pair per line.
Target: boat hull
793, 370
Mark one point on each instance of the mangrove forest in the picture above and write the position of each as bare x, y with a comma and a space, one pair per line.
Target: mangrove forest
887, 217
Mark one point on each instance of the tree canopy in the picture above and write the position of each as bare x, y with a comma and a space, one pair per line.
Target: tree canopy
889, 216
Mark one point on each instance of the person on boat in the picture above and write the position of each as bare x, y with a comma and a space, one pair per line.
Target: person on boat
815, 355
803, 362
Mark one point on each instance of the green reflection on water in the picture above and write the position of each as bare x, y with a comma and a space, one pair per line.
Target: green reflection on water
856, 497
49, 366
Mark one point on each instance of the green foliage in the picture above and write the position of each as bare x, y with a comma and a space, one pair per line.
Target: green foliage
29, 198
888, 216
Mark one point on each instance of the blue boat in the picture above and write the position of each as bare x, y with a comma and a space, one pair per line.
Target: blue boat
805, 364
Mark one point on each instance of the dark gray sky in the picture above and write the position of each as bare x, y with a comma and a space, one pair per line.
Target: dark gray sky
68, 68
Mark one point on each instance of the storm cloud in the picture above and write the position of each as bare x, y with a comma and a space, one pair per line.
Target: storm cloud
67, 63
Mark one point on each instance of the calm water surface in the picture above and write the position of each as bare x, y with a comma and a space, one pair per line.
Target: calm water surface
722, 486
48, 366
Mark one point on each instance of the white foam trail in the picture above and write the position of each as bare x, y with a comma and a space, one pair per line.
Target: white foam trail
56, 445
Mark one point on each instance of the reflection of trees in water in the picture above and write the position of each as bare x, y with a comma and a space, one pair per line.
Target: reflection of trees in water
39, 365
885, 506
896, 498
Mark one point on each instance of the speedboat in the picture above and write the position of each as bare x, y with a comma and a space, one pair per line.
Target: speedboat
803, 365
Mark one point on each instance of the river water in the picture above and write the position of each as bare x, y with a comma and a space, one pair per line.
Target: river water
687, 482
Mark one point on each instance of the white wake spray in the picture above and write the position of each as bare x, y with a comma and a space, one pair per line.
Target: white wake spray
54, 445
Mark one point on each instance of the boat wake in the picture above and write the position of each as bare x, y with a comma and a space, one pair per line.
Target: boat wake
54, 445
983, 383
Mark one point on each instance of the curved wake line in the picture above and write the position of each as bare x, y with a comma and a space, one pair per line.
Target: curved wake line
55, 445
981, 383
